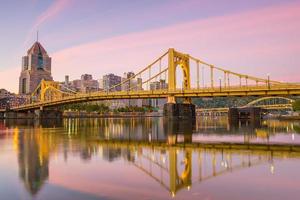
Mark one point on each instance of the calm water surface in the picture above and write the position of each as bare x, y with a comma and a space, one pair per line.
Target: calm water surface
145, 158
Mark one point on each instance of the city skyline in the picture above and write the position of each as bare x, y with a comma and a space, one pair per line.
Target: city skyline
150, 99
254, 38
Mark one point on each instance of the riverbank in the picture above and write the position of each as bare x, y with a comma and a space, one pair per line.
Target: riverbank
72, 114
287, 117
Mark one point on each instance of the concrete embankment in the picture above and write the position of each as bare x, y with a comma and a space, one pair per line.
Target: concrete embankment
288, 117
36, 114
69, 114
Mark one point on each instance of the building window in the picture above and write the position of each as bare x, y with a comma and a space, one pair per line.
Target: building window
24, 86
25, 63
40, 62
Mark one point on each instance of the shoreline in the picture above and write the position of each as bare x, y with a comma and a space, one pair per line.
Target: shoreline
288, 118
110, 115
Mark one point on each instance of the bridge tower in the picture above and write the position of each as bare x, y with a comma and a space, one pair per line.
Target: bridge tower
172, 108
47, 90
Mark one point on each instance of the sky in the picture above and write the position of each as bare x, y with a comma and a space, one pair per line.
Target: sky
97, 37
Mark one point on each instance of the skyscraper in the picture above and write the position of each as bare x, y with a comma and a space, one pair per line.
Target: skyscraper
110, 80
35, 67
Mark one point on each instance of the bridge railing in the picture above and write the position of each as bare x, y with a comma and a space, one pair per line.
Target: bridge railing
248, 87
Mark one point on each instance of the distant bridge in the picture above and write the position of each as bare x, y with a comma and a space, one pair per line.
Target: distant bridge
267, 103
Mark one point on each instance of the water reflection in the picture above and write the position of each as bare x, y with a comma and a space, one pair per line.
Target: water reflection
153, 146
160, 129
33, 160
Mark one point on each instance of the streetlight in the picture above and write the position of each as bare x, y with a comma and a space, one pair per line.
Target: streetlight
202, 76
220, 81
268, 80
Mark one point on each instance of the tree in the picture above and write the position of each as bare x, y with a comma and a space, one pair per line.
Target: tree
296, 105
89, 107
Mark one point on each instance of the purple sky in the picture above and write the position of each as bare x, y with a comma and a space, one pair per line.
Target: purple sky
97, 37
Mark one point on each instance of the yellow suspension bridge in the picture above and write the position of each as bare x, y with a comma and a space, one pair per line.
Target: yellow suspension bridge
52, 94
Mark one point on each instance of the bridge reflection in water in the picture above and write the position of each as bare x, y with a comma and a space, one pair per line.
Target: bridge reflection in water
168, 152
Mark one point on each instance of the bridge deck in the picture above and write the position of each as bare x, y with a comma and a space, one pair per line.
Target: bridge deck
284, 89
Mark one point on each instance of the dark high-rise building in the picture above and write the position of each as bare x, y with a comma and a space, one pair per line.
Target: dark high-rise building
35, 67
110, 80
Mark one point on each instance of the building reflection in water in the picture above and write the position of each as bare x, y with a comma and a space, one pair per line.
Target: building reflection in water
152, 145
33, 159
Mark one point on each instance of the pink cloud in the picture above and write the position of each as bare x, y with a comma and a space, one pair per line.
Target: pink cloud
256, 42
52, 11
261, 40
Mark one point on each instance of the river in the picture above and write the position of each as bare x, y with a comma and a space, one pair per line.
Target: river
148, 158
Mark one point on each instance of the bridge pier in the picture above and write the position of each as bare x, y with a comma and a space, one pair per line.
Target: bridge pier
37, 114
10, 115
18, 115
251, 113
179, 110
48, 114
183, 127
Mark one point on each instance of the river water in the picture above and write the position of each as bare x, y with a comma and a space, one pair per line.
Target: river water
147, 158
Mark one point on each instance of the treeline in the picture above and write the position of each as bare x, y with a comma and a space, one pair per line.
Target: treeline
222, 102
102, 108
296, 105
134, 109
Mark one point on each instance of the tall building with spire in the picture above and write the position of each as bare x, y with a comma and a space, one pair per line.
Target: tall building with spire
35, 67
